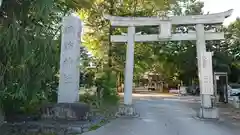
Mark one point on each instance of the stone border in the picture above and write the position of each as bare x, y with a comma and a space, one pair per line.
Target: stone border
48, 127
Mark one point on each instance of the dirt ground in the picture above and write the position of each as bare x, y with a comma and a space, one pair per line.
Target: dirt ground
229, 113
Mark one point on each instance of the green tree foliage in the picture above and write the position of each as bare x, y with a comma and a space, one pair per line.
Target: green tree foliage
171, 59
156, 57
233, 42
29, 54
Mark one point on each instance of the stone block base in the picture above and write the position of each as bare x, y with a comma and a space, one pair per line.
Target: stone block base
127, 111
66, 111
208, 113
236, 102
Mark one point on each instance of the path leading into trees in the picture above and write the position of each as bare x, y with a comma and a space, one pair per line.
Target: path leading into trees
164, 116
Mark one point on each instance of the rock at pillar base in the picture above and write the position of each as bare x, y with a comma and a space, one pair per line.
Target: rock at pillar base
208, 113
66, 111
127, 111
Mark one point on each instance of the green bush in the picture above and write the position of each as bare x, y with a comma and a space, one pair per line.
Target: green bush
88, 97
108, 85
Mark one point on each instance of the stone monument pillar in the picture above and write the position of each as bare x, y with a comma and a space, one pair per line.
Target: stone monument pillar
68, 106
69, 64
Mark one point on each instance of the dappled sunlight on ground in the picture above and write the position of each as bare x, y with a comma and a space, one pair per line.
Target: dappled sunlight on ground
146, 94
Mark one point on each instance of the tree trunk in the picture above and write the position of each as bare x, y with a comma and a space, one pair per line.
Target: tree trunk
119, 81
111, 12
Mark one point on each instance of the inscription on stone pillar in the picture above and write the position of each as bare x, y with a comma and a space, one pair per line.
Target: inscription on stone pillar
69, 64
207, 76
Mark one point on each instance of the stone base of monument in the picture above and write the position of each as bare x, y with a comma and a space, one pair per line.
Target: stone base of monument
127, 111
66, 111
50, 127
208, 113
60, 119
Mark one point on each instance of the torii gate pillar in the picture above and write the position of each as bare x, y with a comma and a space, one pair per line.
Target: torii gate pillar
207, 109
128, 84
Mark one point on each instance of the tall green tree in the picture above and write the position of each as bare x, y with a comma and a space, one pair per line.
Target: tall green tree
233, 42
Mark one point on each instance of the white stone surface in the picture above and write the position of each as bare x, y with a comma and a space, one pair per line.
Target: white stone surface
183, 90
149, 21
201, 48
207, 73
128, 80
69, 64
1, 3
236, 102
165, 30
173, 37
212, 113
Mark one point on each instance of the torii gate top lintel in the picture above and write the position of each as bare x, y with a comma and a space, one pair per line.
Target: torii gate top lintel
165, 26
215, 18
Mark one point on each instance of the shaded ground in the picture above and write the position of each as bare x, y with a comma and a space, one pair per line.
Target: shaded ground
165, 116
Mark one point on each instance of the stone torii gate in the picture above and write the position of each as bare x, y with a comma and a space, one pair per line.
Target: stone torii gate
165, 34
